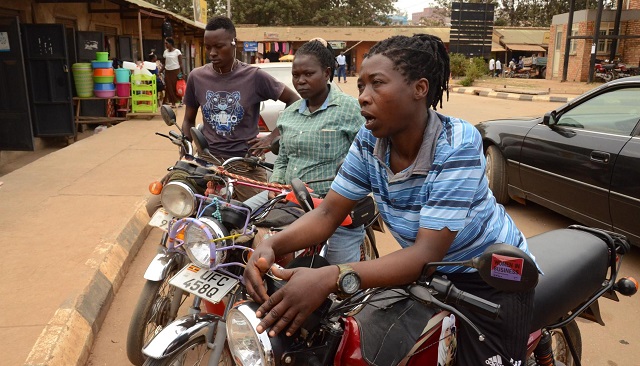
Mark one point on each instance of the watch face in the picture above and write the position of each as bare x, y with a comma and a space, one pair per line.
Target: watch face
350, 283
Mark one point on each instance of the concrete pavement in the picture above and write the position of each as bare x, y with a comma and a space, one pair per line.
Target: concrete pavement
71, 222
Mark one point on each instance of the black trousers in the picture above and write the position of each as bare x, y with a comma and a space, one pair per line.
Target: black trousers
506, 337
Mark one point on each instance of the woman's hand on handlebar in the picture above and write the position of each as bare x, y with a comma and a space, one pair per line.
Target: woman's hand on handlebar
259, 263
288, 307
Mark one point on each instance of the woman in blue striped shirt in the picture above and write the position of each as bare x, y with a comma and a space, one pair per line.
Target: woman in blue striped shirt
427, 174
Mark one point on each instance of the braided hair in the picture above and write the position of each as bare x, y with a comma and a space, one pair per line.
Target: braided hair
324, 54
416, 57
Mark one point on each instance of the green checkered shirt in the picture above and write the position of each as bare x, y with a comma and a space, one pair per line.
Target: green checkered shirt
313, 144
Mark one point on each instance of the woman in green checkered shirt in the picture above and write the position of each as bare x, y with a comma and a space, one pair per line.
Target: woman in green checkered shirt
316, 132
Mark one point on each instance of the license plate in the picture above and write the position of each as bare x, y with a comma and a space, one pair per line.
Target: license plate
161, 219
209, 285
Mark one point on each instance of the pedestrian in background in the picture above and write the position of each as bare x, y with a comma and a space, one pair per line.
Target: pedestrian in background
342, 66
498, 68
173, 68
492, 67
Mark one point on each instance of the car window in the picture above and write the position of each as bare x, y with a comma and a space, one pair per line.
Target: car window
616, 112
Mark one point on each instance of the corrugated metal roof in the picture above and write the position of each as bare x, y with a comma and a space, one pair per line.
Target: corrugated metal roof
537, 36
525, 47
373, 34
156, 9
496, 47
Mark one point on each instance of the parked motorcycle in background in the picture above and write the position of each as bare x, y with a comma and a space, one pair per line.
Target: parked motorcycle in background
416, 324
611, 70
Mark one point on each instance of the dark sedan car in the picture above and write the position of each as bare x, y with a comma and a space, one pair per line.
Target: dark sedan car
581, 160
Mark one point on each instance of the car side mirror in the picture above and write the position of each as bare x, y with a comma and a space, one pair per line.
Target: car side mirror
168, 115
549, 118
506, 268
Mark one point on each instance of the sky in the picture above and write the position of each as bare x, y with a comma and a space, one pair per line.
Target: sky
412, 6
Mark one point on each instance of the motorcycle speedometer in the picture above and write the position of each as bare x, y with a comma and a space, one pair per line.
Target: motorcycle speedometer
247, 346
198, 244
178, 199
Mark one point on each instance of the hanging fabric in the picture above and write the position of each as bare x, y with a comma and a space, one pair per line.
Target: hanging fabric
261, 48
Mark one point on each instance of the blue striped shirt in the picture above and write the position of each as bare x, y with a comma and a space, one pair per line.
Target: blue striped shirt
451, 190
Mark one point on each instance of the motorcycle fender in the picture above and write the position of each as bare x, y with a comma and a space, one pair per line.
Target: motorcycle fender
179, 332
159, 266
593, 313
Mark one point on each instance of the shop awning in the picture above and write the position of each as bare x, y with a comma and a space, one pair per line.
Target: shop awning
525, 47
496, 47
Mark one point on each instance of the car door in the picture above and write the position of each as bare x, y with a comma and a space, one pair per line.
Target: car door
625, 191
568, 165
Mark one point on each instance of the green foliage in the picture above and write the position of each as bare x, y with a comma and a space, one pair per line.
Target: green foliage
312, 12
467, 81
457, 64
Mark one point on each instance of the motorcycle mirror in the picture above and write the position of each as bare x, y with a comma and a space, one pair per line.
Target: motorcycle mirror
302, 194
202, 146
506, 268
168, 115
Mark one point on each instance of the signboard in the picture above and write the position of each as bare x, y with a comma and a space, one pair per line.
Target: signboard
200, 11
471, 29
338, 45
250, 46
271, 35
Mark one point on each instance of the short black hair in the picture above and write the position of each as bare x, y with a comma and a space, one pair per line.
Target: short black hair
170, 41
221, 22
323, 54
416, 57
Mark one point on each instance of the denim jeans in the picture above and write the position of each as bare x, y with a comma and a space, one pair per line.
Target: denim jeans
344, 244
342, 72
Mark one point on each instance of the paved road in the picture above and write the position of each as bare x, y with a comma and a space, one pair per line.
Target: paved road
615, 344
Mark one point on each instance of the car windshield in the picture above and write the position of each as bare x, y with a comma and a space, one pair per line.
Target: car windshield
282, 74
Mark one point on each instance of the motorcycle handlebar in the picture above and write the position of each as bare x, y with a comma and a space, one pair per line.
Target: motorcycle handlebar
450, 294
474, 303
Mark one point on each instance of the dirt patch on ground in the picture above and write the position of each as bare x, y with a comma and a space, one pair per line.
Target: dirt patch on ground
549, 86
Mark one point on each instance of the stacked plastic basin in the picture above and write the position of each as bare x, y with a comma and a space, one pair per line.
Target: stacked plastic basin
123, 83
103, 76
83, 79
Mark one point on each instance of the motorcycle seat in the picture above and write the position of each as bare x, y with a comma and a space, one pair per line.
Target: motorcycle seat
575, 264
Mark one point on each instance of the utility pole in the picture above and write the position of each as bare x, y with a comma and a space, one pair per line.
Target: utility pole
229, 9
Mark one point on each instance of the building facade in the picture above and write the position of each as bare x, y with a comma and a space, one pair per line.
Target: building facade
580, 50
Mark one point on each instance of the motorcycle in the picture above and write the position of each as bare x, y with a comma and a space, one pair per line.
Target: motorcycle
604, 71
523, 72
212, 248
416, 324
159, 302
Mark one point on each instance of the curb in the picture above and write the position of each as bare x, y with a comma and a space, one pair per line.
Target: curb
68, 337
511, 96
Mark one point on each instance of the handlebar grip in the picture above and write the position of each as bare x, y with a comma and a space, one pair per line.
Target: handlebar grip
175, 135
473, 303
267, 165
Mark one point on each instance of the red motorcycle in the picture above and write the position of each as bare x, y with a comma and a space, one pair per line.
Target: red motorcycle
416, 324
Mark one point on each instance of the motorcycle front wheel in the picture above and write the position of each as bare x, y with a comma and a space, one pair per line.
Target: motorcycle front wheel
560, 345
152, 313
192, 353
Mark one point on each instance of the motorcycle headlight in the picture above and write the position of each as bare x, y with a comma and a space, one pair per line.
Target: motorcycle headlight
248, 348
197, 241
178, 199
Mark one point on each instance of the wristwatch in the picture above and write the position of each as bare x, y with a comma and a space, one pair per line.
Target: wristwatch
348, 281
